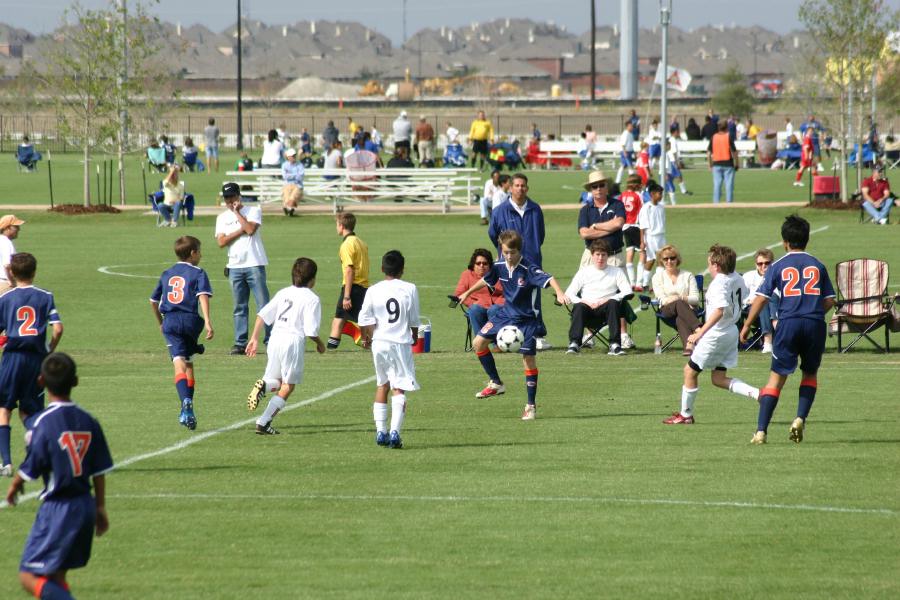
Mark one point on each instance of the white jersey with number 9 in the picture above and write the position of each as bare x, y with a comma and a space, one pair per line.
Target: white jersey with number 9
392, 306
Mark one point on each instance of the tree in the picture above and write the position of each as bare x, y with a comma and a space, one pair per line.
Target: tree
733, 97
102, 66
849, 41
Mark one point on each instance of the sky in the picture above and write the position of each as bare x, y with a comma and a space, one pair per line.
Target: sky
386, 16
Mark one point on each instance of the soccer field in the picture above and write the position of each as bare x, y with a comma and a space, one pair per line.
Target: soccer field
595, 498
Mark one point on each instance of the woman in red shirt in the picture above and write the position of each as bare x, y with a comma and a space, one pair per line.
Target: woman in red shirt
483, 304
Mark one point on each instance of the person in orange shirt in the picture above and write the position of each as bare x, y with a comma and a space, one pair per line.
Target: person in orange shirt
723, 162
483, 304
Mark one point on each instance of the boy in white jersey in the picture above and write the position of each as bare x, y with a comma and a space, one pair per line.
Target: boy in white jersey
651, 222
390, 322
294, 315
716, 341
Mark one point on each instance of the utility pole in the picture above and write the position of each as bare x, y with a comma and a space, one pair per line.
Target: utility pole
240, 108
665, 17
593, 51
123, 104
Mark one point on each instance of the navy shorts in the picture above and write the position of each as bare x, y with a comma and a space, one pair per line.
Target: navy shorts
19, 382
61, 536
181, 332
798, 338
531, 329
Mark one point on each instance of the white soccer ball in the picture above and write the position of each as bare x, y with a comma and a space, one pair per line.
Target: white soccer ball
510, 338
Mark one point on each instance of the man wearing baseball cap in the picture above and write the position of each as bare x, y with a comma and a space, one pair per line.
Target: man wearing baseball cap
292, 173
876, 193
9, 230
238, 230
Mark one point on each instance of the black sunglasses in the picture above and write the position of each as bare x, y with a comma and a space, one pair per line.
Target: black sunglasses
763, 264
482, 263
598, 186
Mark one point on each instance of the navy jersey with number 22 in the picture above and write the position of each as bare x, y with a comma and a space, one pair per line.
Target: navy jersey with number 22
802, 283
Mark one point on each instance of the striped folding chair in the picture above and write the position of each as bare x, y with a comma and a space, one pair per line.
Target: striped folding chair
863, 304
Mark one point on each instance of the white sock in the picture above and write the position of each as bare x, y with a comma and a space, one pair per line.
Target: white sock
646, 280
687, 401
683, 187
629, 270
619, 174
672, 198
398, 411
379, 411
272, 385
276, 403
640, 275
742, 389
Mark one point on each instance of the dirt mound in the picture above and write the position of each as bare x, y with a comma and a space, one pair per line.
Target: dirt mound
835, 204
80, 209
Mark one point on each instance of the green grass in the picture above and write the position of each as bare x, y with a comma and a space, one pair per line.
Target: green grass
596, 498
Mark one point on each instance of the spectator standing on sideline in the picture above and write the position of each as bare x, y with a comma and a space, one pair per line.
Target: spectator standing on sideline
402, 132
877, 196
487, 198
626, 151
692, 131
535, 132
9, 230
723, 162
330, 135
211, 134
273, 152
709, 129
238, 229
452, 133
305, 143
635, 124
481, 134
425, 142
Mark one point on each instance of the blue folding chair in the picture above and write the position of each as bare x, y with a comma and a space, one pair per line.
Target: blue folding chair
700, 311
27, 158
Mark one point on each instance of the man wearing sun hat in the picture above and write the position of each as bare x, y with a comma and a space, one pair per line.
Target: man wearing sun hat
602, 219
292, 173
9, 230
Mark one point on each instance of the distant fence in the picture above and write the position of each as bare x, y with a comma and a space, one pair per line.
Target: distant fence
44, 129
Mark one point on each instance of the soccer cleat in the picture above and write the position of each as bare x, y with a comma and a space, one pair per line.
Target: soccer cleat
572, 349
528, 413
257, 393
541, 344
627, 342
678, 419
797, 430
492, 389
758, 438
381, 438
187, 407
236, 350
6, 471
395, 442
616, 350
200, 349
798, 184
767, 348
266, 429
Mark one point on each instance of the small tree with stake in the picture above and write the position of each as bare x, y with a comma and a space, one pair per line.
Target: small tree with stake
734, 97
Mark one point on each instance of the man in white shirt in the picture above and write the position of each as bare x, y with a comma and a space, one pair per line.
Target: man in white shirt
597, 292
716, 341
501, 194
491, 186
293, 315
390, 322
402, 131
9, 230
626, 151
238, 230
452, 133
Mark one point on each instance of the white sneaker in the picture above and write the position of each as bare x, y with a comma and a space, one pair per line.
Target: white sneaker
6, 471
883, 221
615, 350
627, 342
572, 349
541, 344
173, 223
528, 413
759, 438
587, 341
798, 184
767, 348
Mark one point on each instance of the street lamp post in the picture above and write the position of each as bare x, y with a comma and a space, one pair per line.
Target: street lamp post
240, 82
665, 17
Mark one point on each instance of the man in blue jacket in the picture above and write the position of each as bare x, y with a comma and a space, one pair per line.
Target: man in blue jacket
523, 215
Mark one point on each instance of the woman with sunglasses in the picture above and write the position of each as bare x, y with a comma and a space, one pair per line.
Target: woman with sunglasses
678, 295
763, 258
483, 304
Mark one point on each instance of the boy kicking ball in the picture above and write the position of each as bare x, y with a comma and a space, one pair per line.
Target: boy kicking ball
716, 341
806, 294
178, 292
294, 315
389, 318
522, 283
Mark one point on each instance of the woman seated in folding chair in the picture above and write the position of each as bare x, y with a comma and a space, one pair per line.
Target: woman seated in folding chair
678, 295
483, 304
763, 258
173, 198
598, 293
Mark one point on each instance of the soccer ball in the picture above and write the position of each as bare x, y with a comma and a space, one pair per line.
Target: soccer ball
510, 338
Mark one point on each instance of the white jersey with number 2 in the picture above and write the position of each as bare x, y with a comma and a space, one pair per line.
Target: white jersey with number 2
392, 306
293, 312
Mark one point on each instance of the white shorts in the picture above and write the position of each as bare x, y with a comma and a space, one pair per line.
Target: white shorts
285, 361
394, 365
654, 243
717, 350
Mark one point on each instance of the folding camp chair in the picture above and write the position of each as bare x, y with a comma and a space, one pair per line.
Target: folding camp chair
454, 302
863, 304
755, 340
700, 311
27, 158
596, 328
187, 207
156, 158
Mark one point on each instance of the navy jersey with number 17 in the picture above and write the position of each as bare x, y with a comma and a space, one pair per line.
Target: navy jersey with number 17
801, 282
25, 313
179, 289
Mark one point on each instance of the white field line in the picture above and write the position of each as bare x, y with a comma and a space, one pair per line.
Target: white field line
770, 247
518, 500
208, 434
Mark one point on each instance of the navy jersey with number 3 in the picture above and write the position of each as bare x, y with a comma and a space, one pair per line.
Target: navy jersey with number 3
66, 447
179, 288
25, 314
801, 282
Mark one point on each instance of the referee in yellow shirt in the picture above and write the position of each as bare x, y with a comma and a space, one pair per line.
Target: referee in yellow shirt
354, 255
481, 134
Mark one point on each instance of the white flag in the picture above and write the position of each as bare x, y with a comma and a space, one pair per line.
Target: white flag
677, 79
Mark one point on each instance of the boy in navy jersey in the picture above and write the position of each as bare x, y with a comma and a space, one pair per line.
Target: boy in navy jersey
67, 448
522, 284
25, 313
174, 301
806, 294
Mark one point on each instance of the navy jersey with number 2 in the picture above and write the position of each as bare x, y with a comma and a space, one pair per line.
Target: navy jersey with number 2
25, 314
